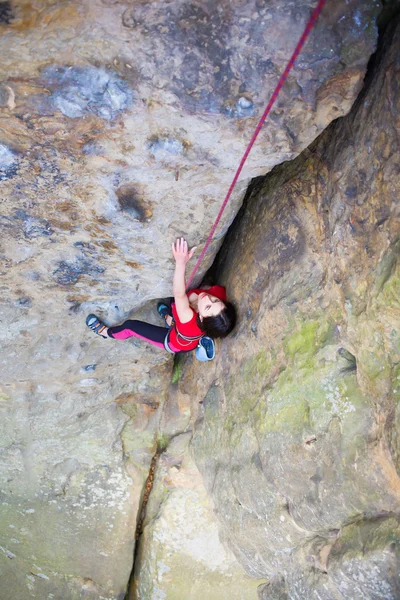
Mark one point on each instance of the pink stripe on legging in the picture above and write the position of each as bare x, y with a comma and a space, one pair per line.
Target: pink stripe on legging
127, 333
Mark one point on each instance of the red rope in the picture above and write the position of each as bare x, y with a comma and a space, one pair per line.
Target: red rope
300, 44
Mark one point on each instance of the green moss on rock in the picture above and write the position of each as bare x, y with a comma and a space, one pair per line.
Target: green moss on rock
308, 337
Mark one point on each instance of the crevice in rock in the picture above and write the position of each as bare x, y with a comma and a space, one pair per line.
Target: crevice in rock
147, 490
388, 18
161, 447
348, 362
389, 11
211, 275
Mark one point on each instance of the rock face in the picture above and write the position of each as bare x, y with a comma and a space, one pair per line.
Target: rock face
181, 555
297, 432
120, 126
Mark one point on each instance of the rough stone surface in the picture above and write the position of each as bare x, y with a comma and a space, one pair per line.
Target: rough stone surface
181, 555
297, 432
120, 126
152, 103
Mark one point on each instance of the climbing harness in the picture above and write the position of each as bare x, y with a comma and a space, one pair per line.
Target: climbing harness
311, 22
205, 349
186, 338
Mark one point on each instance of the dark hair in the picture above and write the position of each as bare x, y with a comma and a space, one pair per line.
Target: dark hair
220, 325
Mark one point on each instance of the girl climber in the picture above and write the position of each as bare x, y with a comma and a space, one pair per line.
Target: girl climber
199, 313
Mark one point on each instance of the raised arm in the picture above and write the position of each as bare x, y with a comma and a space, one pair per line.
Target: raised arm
182, 255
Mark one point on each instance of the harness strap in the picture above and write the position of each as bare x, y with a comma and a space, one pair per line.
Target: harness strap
187, 338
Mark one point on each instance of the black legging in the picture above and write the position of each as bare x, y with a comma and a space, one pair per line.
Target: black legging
144, 331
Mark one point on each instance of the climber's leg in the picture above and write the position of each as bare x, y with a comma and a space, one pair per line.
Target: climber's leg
139, 329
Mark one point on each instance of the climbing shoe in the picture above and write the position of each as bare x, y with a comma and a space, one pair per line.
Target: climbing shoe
164, 311
96, 325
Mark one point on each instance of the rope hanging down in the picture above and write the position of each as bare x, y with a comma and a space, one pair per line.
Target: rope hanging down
300, 44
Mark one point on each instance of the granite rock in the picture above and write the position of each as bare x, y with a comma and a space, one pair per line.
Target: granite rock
120, 126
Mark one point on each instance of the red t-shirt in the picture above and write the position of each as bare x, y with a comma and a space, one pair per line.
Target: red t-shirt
191, 329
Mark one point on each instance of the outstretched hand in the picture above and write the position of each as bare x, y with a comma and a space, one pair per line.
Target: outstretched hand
181, 252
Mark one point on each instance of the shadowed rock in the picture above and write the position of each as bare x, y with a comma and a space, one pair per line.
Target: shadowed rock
6, 13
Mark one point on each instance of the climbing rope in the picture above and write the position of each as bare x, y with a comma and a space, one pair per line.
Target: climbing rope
300, 44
